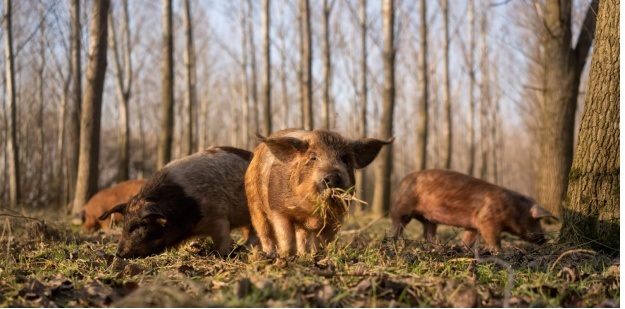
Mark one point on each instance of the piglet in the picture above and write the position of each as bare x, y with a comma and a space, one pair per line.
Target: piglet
291, 182
199, 195
451, 198
106, 199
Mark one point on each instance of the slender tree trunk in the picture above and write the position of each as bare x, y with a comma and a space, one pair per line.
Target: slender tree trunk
12, 147
73, 134
191, 94
422, 127
41, 88
485, 99
245, 102
167, 113
447, 132
124, 78
254, 82
327, 65
87, 181
361, 175
563, 68
384, 166
306, 66
592, 205
283, 74
471, 65
266, 91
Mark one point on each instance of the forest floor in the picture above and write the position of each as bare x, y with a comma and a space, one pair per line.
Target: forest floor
52, 264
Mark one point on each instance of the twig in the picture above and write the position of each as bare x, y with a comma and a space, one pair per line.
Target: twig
591, 252
362, 229
504, 264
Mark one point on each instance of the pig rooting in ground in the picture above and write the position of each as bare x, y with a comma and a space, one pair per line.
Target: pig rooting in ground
199, 195
294, 186
445, 197
105, 200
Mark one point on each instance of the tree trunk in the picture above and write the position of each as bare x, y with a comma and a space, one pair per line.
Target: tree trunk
41, 83
73, 134
422, 126
167, 112
306, 66
384, 166
327, 65
87, 180
254, 80
447, 131
563, 68
266, 95
485, 99
471, 65
245, 104
592, 204
191, 94
361, 175
124, 83
12, 147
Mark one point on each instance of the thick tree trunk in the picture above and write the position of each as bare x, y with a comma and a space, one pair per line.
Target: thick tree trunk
361, 175
327, 66
12, 147
87, 181
422, 125
306, 66
167, 112
563, 68
266, 91
384, 165
592, 204
447, 131
73, 133
190, 132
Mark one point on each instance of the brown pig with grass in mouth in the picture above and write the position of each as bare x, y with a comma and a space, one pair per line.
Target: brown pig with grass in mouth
446, 197
299, 185
199, 195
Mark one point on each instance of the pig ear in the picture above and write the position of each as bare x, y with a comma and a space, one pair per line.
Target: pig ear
366, 149
538, 212
284, 148
121, 208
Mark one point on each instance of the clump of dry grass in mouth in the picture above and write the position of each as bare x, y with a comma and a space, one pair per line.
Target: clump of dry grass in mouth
333, 203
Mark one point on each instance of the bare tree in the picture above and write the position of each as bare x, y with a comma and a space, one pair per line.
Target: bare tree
471, 65
245, 102
384, 166
266, 91
485, 97
124, 80
327, 66
73, 133
592, 203
167, 88
422, 127
191, 93
447, 132
87, 180
361, 175
12, 147
563, 68
305, 66
254, 80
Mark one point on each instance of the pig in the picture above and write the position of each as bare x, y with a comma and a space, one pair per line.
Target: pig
200, 195
105, 200
288, 181
436, 196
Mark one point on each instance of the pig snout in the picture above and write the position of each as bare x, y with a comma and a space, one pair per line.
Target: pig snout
332, 180
536, 238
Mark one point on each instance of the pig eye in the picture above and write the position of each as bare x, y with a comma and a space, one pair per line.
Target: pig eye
345, 159
312, 158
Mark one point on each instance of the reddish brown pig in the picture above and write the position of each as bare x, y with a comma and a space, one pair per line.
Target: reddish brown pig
199, 195
446, 197
287, 186
105, 200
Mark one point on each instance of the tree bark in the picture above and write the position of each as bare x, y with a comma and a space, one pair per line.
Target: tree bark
471, 65
447, 131
245, 104
592, 203
266, 91
306, 66
422, 126
191, 93
124, 78
73, 134
255, 114
87, 180
12, 147
167, 112
485, 98
327, 66
563, 68
384, 166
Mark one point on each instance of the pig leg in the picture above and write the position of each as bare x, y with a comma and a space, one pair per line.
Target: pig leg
220, 234
263, 227
490, 233
469, 237
302, 239
399, 223
251, 239
429, 230
285, 235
